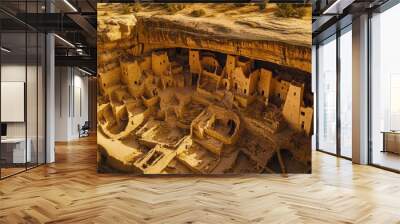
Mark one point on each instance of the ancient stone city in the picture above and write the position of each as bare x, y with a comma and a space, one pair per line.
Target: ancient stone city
178, 98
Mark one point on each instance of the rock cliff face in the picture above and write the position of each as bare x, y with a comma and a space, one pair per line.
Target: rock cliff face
254, 34
156, 32
203, 88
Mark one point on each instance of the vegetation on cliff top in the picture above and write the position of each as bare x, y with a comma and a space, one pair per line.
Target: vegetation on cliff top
173, 8
197, 13
290, 10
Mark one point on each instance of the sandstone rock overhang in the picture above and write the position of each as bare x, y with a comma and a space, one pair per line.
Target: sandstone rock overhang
261, 36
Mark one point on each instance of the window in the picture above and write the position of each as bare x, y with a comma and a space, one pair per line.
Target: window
394, 102
385, 88
346, 92
22, 73
327, 95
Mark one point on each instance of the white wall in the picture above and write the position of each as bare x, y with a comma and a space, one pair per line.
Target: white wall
71, 94
61, 103
16, 73
10, 73
80, 110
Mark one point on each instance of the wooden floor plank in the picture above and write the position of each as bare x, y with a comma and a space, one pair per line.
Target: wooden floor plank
71, 191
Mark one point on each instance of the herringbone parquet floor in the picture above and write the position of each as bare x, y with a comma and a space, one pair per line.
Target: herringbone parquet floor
70, 191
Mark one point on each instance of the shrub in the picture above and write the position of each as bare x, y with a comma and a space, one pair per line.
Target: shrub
136, 7
126, 9
262, 6
239, 4
198, 13
180, 6
173, 8
290, 10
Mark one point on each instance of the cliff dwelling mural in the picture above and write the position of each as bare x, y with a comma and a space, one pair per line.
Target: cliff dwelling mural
204, 88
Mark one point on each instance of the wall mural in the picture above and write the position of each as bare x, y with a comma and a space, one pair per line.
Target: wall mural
204, 88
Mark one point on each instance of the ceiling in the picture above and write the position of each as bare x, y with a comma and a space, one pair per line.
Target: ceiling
74, 22
332, 15
40, 5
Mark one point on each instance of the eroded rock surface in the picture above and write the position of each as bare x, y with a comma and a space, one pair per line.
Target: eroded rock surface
222, 90
232, 30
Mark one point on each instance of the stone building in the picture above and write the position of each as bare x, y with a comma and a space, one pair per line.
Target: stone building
294, 112
159, 62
